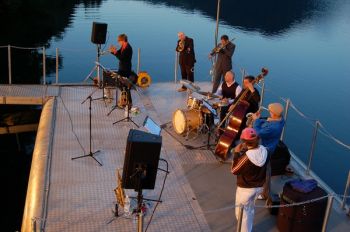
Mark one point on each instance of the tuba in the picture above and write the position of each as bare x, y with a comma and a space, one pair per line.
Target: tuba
181, 46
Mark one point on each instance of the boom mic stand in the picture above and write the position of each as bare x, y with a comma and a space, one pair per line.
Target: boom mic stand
90, 154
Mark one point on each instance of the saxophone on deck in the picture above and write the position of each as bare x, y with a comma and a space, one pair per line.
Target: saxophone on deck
119, 191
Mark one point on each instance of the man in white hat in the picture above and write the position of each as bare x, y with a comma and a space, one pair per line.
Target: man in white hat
269, 130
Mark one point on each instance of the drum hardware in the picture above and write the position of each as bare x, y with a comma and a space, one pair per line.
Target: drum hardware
193, 103
208, 95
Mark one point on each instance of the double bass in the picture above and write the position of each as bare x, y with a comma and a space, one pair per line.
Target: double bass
236, 116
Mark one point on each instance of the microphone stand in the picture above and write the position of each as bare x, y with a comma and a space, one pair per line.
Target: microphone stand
90, 154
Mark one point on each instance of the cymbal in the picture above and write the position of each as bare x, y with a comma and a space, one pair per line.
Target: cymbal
208, 94
190, 85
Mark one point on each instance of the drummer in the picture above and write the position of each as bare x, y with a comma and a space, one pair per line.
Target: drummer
228, 91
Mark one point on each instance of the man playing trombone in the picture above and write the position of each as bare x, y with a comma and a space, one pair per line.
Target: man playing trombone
224, 52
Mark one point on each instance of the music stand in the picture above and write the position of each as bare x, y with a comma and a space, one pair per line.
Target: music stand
128, 85
90, 154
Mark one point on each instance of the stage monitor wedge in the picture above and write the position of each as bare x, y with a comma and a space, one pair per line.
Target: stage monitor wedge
99, 31
142, 151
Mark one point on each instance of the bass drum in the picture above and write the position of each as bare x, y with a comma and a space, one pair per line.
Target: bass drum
186, 120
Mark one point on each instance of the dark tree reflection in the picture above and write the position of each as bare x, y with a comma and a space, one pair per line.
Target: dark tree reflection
33, 24
269, 17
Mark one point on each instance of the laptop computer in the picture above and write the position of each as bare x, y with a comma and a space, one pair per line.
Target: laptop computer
151, 126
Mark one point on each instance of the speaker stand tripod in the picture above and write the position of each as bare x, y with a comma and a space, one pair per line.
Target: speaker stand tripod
90, 154
98, 71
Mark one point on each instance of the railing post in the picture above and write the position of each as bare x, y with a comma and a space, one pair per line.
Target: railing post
217, 22
44, 66
9, 63
239, 219
285, 118
57, 64
343, 203
313, 143
262, 93
176, 65
328, 212
138, 60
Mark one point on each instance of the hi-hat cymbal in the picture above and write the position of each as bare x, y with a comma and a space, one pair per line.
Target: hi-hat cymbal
208, 94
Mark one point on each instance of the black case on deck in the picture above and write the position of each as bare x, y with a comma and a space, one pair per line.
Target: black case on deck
306, 217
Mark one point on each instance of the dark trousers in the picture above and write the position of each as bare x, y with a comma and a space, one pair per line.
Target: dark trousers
187, 72
218, 76
267, 184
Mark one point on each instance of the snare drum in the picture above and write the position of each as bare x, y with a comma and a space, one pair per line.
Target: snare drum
193, 103
185, 120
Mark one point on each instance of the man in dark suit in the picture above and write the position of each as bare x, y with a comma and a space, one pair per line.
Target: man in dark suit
186, 59
224, 52
124, 55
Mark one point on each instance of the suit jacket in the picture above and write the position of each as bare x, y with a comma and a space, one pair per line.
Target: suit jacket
124, 57
187, 56
224, 58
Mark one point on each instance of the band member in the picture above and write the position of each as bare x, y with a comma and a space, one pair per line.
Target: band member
249, 164
124, 55
269, 130
252, 97
228, 91
187, 58
224, 52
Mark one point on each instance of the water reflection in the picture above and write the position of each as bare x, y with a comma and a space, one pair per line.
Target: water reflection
33, 24
268, 17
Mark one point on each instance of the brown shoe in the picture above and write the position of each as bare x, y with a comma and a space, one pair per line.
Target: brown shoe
182, 89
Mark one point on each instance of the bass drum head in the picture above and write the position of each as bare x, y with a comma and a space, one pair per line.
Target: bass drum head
184, 120
179, 121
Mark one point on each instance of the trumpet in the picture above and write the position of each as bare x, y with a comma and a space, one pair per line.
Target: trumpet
181, 46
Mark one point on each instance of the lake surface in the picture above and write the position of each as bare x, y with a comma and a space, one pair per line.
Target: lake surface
303, 43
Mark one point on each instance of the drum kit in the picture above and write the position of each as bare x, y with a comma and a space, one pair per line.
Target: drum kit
198, 116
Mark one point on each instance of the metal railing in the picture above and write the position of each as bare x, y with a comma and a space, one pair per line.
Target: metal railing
44, 56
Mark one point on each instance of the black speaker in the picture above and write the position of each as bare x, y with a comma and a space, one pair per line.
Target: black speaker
142, 152
99, 31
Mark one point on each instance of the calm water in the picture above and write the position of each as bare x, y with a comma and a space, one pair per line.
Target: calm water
304, 44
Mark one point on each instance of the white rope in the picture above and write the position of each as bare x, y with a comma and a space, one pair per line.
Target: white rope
301, 113
329, 135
